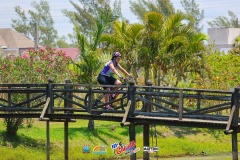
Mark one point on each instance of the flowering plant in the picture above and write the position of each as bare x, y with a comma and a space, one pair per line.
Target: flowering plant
35, 67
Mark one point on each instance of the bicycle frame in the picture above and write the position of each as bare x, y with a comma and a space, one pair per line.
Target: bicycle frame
98, 99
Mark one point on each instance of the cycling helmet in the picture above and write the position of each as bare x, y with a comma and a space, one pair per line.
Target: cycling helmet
116, 54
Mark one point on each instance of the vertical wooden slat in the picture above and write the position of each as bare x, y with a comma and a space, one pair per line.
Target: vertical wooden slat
198, 99
9, 97
28, 97
89, 98
180, 104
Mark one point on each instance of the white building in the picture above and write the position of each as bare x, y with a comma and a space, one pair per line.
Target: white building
223, 38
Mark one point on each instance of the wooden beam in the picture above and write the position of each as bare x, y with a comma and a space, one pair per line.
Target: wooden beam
44, 109
124, 123
227, 131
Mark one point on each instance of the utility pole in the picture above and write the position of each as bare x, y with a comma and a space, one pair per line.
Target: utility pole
237, 23
36, 37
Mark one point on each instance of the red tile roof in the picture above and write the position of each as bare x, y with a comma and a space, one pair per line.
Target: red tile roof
73, 53
70, 52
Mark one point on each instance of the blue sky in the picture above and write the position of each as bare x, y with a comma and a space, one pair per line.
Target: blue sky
212, 9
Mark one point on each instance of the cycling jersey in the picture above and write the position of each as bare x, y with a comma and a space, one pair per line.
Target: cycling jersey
106, 71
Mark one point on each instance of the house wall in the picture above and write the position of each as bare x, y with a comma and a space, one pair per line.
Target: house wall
10, 52
223, 37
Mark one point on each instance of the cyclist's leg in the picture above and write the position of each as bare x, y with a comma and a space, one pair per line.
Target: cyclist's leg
104, 80
115, 82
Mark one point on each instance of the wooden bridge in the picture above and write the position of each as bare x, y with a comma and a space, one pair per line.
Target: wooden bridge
135, 105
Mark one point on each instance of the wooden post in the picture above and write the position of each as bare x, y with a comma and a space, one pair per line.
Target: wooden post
198, 99
48, 140
36, 37
89, 98
180, 104
28, 97
9, 97
50, 94
68, 95
49, 97
235, 124
131, 97
66, 140
148, 107
146, 140
234, 146
132, 136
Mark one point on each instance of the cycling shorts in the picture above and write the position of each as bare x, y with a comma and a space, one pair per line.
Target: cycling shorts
106, 80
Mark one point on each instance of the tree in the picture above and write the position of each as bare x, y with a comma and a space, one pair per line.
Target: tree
223, 21
61, 43
140, 7
86, 14
41, 17
191, 8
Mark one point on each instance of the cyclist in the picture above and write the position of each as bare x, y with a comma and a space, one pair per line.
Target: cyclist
106, 76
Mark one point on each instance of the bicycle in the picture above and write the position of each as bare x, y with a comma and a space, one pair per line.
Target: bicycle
98, 101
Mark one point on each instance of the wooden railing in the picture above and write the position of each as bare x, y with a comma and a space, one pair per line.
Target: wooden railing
150, 101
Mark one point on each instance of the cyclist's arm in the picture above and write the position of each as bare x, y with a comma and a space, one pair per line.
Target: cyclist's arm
123, 70
114, 70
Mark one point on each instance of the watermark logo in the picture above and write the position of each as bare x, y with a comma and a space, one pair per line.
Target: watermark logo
120, 148
86, 148
150, 149
100, 150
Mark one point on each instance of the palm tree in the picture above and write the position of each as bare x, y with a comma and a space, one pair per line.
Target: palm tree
153, 23
169, 44
185, 51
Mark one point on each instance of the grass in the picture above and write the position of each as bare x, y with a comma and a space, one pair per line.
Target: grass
172, 141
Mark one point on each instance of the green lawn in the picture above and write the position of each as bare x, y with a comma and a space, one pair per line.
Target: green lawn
172, 141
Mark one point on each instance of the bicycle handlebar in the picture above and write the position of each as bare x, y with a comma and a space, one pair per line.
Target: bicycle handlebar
128, 79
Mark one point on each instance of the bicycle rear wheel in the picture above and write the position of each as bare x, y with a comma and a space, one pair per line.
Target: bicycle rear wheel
97, 100
138, 103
